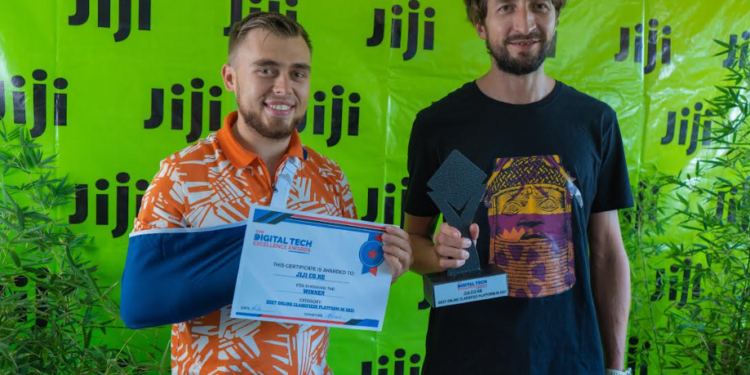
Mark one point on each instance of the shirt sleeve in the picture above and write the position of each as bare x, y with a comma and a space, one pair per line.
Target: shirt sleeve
172, 276
613, 185
423, 161
349, 210
163, 205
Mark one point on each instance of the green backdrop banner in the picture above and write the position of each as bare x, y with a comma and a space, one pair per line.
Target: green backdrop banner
113, 87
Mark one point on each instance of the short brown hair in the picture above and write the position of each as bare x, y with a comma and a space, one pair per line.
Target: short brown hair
477, 9
274, 23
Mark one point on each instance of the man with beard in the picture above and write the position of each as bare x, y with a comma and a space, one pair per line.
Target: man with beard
549, 219
256, 158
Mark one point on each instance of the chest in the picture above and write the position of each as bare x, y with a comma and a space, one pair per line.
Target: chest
573, 152
226, 196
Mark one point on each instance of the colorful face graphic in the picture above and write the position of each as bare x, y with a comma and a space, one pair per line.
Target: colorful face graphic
530, 225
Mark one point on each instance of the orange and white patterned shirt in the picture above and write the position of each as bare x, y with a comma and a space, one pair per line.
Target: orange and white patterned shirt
214, 182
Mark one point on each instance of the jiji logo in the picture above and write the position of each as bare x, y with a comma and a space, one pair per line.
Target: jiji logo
104, 15
177, 109
388, 202
637, 355
21, 290
123, 213
413, 29
399, 366
680, 283
19, 95
236, 10
652, 44
733, 51
730, 203
685, 120
335, 107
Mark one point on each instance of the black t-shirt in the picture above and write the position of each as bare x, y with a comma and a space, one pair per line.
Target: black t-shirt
550, 164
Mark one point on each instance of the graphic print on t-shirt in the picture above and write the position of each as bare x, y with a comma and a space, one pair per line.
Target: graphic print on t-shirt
529, 208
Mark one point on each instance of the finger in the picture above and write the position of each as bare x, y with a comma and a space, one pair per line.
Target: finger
402, 243
474, 231
457, 242
396, 231
449, 231
451, 263
395, 265
403, 256
451, 252
395, 251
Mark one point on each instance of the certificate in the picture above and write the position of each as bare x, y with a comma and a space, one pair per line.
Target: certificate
303, 268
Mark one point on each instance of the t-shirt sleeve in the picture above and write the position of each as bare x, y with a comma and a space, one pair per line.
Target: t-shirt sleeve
348, 208
423, 161
163, 205
613, 186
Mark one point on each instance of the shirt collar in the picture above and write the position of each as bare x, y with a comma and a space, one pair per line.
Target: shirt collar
239, 156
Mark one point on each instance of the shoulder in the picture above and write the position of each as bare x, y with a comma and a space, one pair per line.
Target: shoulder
592, 115
199, 151
443, 114
322, 165
447, 105
201, 154
587, 105
193, 162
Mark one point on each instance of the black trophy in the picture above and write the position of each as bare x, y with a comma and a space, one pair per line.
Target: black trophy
457, 188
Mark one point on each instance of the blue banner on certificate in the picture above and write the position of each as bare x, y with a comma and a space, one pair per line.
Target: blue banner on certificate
303, 268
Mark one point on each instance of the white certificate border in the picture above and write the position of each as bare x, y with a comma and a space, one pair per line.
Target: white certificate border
329, 221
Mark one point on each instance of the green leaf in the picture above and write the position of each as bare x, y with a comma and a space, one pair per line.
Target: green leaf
723, 44
16, 259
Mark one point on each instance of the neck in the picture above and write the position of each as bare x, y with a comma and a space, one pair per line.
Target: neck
512, 89
269, 150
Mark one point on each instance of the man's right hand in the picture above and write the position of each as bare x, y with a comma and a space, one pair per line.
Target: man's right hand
449, 246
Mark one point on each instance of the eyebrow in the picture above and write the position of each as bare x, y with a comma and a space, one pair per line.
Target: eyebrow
268, 63
301, 66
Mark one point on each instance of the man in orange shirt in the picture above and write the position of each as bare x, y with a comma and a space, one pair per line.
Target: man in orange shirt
255, 159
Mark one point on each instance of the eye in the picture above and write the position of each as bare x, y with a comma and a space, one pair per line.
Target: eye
504, 8
549, 205
511, 208
266, 72
299, 75
542, 6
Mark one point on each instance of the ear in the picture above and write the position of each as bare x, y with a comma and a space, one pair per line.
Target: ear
481, 30
229, 76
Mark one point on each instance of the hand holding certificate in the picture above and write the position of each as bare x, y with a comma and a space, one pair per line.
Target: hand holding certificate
312, 269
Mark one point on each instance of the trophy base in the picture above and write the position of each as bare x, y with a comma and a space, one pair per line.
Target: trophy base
443, 290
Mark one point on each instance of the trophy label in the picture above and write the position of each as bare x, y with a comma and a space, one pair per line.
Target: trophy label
464, 291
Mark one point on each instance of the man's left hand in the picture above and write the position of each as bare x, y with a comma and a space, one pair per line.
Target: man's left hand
397, 249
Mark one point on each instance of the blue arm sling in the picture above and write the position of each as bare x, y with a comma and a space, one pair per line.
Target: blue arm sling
176, 275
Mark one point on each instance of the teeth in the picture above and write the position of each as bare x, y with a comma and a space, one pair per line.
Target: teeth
280, 107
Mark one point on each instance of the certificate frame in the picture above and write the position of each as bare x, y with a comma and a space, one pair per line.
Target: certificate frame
303, 268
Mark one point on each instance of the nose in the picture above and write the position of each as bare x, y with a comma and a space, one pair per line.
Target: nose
524, 21
281, 86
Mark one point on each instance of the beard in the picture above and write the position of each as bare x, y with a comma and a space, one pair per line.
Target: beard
526, 63
276, 128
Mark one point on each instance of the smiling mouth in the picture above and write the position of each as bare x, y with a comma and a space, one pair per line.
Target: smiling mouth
279, 109
526, 43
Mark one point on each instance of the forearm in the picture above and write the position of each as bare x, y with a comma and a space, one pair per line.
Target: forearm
611, 288
425, 259
174, 276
